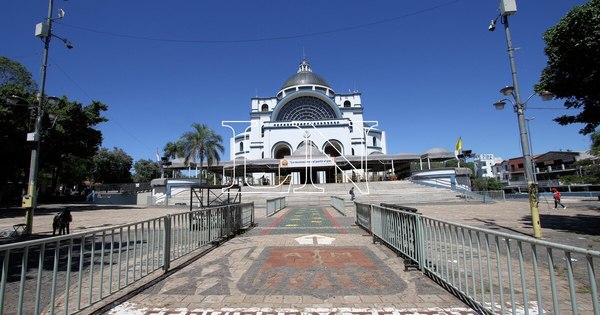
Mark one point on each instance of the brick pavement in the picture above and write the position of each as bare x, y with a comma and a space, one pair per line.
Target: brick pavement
215, 278
284, 267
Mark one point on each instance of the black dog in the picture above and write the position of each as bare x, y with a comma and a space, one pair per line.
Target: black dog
61, 222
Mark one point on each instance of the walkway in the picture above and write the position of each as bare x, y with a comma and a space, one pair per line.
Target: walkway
303, 260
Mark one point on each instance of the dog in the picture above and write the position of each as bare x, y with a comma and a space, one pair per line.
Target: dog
61, 222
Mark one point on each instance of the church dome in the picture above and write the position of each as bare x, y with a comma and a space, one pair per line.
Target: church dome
304, 76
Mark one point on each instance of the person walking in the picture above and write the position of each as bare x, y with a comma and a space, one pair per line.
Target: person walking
556, 195
351, 192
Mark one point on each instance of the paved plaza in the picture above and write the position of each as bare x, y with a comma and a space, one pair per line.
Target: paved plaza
312, 259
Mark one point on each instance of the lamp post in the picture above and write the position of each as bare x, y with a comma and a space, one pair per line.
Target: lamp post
509, 7
44, 32
528, 120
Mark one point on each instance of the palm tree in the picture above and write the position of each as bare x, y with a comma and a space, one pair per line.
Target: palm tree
203, 144
173, 150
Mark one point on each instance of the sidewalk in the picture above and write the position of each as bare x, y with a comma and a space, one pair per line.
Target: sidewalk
286, 264
302, 260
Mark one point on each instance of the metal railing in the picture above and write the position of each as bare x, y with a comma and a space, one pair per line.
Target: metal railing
67, 274
497, 273
338, 204
275, 205
491, 195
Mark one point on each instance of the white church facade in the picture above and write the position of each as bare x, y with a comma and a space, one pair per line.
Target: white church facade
307, 121
306, 103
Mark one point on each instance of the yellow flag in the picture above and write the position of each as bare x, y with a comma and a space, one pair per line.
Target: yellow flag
458, 147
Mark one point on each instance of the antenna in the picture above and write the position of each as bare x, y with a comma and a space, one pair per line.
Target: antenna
303, 54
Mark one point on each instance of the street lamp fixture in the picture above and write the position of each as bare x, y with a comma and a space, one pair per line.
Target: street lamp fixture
499, 105
507, 90
66, 41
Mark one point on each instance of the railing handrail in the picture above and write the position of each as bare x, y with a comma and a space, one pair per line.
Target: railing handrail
527, 239
99, 230
492, 271
146, 246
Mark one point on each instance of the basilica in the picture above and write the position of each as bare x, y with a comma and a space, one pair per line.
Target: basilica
309, 132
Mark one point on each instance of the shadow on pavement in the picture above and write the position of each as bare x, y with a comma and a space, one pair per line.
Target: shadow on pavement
579, 224
14, 212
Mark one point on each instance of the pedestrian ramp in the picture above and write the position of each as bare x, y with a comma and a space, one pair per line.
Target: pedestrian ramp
302, 260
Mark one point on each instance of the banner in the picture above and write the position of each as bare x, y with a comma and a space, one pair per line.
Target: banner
306, 162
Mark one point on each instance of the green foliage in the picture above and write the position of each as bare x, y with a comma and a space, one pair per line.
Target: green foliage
112, 166
73, 138
573, 50
589, 169
67, 143
174, 150
202, 144
454, 163
15, 121
483, 184
589, 173
595, 150
145, 171
15, 79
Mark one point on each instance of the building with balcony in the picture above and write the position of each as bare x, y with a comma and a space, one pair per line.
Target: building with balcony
549, 167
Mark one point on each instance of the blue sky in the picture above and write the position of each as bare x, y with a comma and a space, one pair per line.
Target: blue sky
429, 71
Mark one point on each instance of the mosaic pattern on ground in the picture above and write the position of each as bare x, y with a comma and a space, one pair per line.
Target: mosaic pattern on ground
319, 271
300, 220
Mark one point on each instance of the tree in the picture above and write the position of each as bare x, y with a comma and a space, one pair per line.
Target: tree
483, 184
174, 150
15, 121
595, 149
67, 143
15, 79
573, 50
145, 171
203, 144
589, 169
112, 166
72, 139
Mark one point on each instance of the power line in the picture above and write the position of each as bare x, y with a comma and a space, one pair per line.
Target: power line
91, 100
266, 39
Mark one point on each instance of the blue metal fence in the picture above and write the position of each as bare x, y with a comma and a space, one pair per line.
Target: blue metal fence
67, 274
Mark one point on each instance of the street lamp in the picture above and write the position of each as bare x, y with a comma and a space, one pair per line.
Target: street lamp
528, 120
44, 32
509, 7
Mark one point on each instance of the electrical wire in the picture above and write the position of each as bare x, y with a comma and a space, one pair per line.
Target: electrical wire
53, 63
266, 39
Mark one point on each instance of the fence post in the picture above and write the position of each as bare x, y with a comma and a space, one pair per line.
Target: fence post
167, 244
371, 222
252, 215
420, 242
